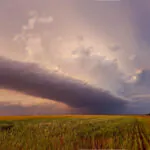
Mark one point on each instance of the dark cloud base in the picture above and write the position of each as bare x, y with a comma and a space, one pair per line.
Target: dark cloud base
29, 78
9, 109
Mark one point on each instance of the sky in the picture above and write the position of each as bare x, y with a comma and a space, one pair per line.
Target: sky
74, 57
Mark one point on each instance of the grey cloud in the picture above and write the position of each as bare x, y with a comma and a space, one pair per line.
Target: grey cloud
144, 78
139, 106
97, 23
8, 109
82, 51
141, 16
138, 89
100, 21
31, 79
115, 48
138, 92
100, 70
141, 21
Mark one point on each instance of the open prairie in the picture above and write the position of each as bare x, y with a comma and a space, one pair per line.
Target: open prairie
74, 132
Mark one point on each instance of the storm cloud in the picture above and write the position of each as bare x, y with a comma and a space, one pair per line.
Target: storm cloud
105, 44
9, 109
33, 80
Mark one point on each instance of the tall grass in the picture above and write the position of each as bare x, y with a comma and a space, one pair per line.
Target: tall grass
75, 132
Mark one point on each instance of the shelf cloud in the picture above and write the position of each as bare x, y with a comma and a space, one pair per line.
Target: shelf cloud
31, 79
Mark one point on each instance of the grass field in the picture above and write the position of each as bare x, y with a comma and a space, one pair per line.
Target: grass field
75, 132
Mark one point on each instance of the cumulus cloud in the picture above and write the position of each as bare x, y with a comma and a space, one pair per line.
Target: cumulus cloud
36, 19
32, 41
33, 20
30, 25
79, 58
31, 79
99, 70
114, 47
45, 19
33, 48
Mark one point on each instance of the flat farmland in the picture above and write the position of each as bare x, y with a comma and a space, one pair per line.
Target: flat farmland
75, 132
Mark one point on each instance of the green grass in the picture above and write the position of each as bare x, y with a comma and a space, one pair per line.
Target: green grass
75, 132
